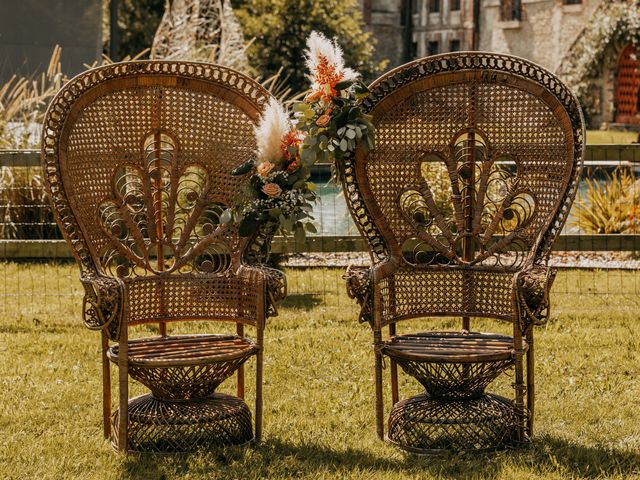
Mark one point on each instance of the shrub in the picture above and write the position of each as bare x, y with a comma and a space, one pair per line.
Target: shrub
609, 206
280, 29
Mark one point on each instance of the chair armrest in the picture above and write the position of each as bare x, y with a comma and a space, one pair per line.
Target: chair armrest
102, 306
274, 280
360, 287
532, 286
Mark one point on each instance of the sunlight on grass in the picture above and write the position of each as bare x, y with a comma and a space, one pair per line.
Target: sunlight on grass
599, 137
319, 413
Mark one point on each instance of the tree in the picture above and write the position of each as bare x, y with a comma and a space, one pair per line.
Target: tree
281, 28
137, 24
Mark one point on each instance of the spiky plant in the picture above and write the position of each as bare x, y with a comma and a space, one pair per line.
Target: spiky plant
609, 206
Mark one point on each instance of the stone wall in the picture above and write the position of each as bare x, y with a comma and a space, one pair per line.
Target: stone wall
544, 34
384, 21
443, 27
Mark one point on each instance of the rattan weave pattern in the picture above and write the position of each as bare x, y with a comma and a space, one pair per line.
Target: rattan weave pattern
132, 146
185, 367
452, 364
475, 167
158, 426
451, 291
137, 159
424, 424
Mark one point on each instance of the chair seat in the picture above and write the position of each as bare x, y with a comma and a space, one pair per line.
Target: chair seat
450, 347
452, 364
185, 350
185, 367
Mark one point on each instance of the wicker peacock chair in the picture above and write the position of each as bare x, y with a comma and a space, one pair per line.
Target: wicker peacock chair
476, 164
137, 157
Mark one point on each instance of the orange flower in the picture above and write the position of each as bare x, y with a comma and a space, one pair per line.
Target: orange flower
264, 168
323, 120
292, 139
314, 96
327, 75
293, 166
326, 78
272, 190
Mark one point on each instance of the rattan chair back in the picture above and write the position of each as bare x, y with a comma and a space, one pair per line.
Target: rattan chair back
476, 163
138, 158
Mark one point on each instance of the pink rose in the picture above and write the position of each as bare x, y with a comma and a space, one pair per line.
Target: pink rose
264, 168
272, 190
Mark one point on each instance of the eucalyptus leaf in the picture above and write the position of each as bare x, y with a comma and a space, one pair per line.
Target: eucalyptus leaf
343, 85
242, 169
275, 212
226, 216
299, 235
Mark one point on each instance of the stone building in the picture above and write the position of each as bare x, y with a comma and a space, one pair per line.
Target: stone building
591, 44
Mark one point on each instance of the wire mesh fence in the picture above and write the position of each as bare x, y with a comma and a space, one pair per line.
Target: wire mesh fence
600, 243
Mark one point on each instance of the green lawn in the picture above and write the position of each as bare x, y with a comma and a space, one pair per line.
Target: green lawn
319, 416
610, 136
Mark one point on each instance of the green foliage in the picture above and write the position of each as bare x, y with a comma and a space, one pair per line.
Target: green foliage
609, 206
281, 29
137, 23
612, 23
335, 126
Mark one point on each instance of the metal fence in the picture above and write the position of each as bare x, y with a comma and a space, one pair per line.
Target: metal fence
607, 263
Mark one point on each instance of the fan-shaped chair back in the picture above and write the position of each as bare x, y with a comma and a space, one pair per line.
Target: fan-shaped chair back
138, 158
476, 163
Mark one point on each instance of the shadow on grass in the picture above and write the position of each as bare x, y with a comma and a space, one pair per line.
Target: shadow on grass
301, 301
278, 458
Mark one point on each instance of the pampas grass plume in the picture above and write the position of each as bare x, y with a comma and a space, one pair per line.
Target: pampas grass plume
273, 126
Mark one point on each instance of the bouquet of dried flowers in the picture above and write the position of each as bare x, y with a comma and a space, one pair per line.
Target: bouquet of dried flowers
278, 190
327, 126
331, 115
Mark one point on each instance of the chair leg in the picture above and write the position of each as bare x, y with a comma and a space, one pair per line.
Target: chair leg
240, 374
395, 396
531, 393
123, 391
519, 385
259, 396
106, 387
379, 399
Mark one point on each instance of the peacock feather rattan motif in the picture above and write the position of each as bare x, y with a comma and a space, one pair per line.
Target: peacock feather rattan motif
137, 158
475, 168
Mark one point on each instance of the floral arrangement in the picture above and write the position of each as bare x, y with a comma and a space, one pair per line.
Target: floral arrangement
277, 191
328, 125
331, 115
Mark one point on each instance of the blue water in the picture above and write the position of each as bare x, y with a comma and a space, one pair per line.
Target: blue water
332, 216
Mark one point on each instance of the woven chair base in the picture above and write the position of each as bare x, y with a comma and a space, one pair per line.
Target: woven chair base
157, 426
429, 425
